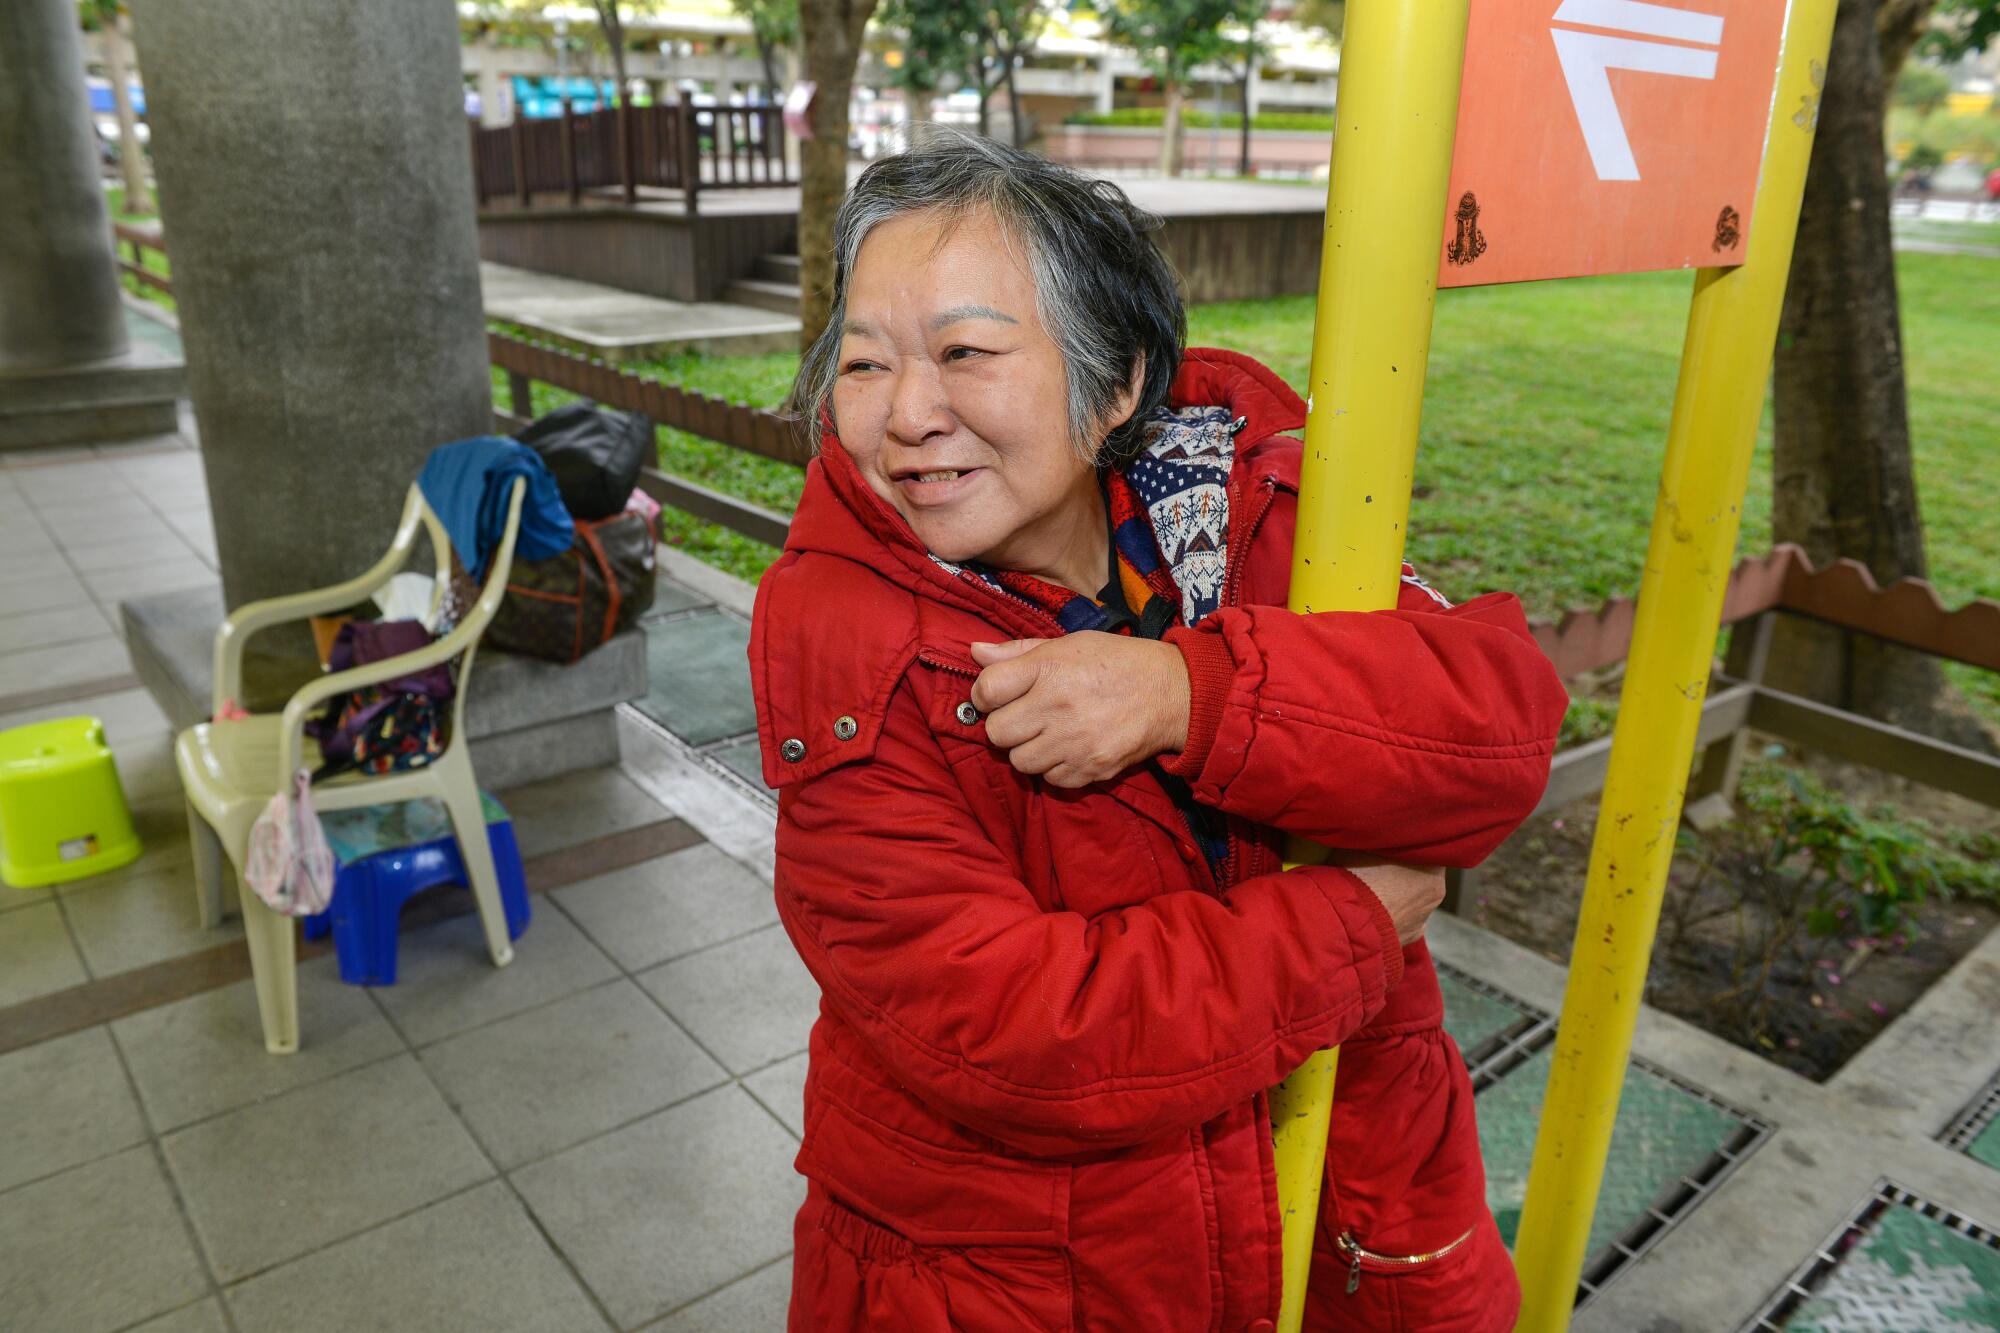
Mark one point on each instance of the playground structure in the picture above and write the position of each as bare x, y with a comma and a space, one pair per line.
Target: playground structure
1387, 207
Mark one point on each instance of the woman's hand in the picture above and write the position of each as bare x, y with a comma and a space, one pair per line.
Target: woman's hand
1082, 708
1410, 893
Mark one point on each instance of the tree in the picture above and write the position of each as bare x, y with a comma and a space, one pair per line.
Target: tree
1011, 30
831, 33
937, 49
114, 30
774, 24
1842, 479
1172, 37
1249, 51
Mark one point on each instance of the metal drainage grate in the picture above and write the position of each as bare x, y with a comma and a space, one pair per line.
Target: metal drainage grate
1974, 1119
1812, 1276
1679, 1197
1499, 1055
706, 757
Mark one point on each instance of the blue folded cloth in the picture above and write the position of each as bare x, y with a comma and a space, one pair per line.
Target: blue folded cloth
468, 484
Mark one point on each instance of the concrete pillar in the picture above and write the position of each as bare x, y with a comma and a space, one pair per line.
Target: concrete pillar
316, 184
1255, 76
59, 301
1106, 83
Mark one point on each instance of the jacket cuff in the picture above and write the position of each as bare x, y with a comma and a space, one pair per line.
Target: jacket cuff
1210, 670
1385, 930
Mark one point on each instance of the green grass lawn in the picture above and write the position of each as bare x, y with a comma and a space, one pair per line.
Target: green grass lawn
1544, 418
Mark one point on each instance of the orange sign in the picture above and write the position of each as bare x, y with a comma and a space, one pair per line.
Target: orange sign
1608, 136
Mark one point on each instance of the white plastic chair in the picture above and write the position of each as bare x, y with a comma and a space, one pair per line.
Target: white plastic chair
230, 770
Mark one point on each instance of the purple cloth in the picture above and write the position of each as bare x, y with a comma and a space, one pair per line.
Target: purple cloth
360, 642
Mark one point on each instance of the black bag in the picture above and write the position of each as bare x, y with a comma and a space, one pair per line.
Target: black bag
560, 608
595, 454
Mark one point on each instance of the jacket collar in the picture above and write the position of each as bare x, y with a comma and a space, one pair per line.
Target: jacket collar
840, 514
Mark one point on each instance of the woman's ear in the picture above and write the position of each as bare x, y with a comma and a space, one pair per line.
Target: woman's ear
1128, 397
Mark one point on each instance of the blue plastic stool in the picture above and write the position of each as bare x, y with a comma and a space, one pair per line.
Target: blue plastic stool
373, 881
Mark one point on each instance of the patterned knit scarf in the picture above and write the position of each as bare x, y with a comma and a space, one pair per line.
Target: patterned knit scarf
1169, 513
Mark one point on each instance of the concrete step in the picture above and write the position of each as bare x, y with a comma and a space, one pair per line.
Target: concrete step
764, 294
778, 268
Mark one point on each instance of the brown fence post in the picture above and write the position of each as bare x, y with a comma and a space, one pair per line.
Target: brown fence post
690, 147
520, 152
626, 175
569, 156
520, 395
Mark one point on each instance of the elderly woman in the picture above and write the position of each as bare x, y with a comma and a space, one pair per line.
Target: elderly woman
1039, 725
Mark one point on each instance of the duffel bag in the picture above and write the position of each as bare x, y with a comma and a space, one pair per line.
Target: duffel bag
595, 454
561, 608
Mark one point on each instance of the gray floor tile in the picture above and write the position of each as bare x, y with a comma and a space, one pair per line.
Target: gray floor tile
671, 905
669, 596
126, 714
577, 808
146, 767
446, 981
63, 1103
57, 625
484, 1268
204, 1316
273, 1181
21, 535
744, 757
39, 562
21, 595
36, 956
756, 1304
112, 586
751, 1001
126, 553
700, 672
538, 1082
782, 1087
205, 1054
94, 1249
85, 532
658, 1213
143, 914
87, 659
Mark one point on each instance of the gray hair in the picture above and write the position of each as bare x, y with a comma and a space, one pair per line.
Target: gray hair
1102, 289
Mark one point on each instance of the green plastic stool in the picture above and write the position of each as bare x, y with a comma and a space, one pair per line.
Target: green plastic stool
62, 812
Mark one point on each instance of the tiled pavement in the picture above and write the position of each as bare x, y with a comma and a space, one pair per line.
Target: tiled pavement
600, 1135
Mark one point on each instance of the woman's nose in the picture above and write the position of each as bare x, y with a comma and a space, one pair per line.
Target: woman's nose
918, 409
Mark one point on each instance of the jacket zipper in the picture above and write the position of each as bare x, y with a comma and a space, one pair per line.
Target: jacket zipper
1350, 1249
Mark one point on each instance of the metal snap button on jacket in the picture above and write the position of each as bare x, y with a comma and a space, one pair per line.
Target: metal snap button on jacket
844, 728
967, 713
793, 750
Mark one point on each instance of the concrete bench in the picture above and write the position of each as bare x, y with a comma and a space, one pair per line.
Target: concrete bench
527, 719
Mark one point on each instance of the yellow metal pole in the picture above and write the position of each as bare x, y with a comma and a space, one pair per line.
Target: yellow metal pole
1385, 217
1726, 360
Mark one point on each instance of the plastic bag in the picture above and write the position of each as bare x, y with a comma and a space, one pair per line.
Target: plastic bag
290, 865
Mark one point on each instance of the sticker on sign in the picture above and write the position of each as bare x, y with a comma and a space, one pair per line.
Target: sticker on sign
1608, 136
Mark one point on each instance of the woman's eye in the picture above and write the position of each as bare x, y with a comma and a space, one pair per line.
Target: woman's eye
852, 366
960, 353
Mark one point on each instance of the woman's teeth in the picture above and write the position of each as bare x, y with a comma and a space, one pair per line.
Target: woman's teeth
936, 476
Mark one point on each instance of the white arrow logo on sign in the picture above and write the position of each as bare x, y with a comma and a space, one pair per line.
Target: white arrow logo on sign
1588, 57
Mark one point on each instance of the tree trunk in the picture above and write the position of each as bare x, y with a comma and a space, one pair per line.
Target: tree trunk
1842, 481
612, 25
1243, 104
767, 53
1170, 130
131, 155
1013, 101
985, 99
830, 31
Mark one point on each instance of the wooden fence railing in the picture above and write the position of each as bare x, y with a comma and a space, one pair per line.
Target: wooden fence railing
676, 147
138, 240
751, 429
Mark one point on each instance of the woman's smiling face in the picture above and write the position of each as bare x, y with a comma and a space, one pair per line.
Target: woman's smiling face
951, 400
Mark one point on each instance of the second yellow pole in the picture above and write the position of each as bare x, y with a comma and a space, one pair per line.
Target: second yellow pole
1732, 327
1385, 215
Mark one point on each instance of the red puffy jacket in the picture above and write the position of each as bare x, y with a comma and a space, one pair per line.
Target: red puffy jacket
1037, 1090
